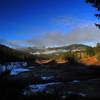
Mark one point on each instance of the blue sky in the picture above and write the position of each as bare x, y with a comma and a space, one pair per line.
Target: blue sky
32, 22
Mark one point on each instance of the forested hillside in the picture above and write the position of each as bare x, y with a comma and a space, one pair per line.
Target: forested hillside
8, 54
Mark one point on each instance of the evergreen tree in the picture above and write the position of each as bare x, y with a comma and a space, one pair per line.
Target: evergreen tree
96, 4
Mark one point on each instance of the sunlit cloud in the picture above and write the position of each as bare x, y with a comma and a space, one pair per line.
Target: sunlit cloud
82, 34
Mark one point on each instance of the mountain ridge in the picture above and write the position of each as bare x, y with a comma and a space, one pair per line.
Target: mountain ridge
68, 47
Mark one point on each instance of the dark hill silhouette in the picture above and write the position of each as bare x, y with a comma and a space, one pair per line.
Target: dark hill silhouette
8, 54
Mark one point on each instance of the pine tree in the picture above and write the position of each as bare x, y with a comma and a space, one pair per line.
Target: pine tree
96, 4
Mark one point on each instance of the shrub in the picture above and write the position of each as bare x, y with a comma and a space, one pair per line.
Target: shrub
98, 56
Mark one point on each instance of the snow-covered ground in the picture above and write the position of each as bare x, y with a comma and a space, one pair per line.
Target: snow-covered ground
38, 88
16, 71
14, 67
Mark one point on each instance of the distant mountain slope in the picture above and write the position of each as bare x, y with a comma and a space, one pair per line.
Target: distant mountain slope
69, 47
77, 46
29, 49
8, 54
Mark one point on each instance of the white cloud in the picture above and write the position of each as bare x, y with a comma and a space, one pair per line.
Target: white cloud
88, 33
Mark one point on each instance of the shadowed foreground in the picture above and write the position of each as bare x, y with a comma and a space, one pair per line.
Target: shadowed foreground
52, 81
